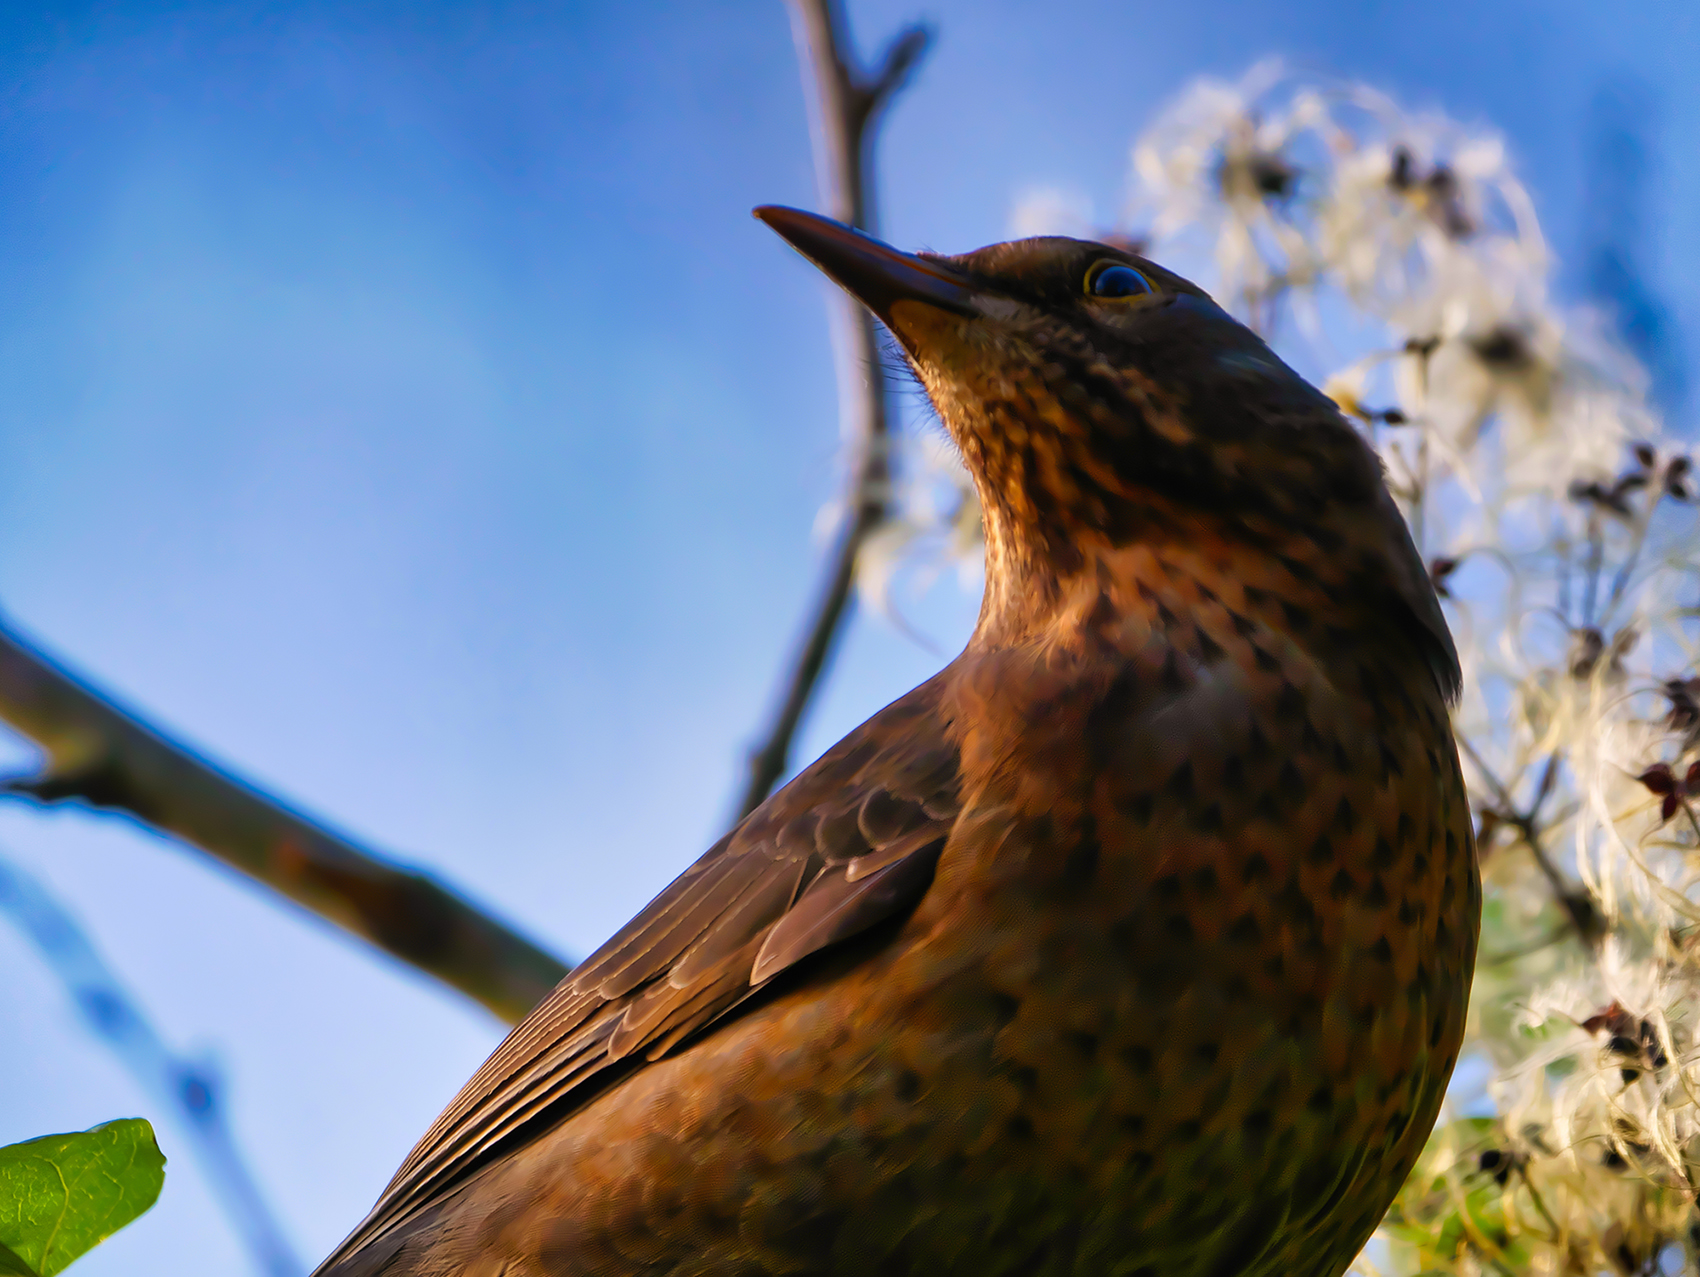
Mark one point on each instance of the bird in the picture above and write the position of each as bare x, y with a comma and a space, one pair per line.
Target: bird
1136, 941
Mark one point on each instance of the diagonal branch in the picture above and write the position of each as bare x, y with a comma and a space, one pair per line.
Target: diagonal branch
100, 756
846, 108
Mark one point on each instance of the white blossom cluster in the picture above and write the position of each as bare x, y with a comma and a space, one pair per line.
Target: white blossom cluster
1398, 252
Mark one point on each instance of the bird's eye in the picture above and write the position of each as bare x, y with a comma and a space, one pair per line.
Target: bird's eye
1116, 279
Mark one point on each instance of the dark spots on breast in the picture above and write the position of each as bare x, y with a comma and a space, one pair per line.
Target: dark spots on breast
1233, 774
1321, 851
1321, 1100
1187, 1131
1291, 784
1179, 785
1265, 662
1310, 740
1203, 881
1406, 830
1081, 866
1254, 596
1276, 967
1381, 951
1451, 845
1419, 865
1296, 907
1082, 1041
1345, 819
1407, 914
1167, 888
1003, 1006
1265, 808
1205, 1053
1297, 568
1025, 1077
1370, 686
1290, 704
1178, 927
1208, 821
1342, 760
1437, 1032
1019, 1128
1137, 1058
908, 1086
1256, 868
1244, 626
1257, 745
1137, 807
1410, 707
1244, 930
1342, 886
1209, 650
1376, 894
1382, 857
1297, 617
1302, 1015
1390, 765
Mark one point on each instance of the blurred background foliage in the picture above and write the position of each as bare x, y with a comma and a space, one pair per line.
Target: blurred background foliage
398, 401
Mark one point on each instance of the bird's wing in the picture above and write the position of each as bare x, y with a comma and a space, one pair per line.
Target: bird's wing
851, 841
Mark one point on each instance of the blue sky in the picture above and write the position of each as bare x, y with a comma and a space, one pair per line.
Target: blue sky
400, 402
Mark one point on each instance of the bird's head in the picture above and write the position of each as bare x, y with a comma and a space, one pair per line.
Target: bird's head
1097, 397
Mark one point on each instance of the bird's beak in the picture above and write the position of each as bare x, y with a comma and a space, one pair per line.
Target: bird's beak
874, 273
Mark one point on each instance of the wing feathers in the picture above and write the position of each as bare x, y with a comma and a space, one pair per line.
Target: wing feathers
851, 841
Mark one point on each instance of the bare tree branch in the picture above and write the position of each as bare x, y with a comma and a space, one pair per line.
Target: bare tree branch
103, 757
847, 105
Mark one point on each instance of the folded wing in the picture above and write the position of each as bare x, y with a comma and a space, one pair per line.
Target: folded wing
850, 842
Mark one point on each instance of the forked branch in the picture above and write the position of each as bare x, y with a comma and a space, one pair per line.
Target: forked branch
847, 103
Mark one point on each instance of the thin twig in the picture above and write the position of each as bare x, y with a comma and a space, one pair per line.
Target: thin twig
1596, 557
1576, 903
1626, 569
847, 105
101, 756
191, 1091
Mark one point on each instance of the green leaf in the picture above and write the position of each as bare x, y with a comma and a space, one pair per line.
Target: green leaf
62, 1194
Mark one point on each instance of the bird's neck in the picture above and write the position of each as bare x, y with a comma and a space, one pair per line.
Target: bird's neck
1178, 559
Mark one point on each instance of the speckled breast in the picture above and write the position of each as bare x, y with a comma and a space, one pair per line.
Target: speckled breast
1237, 955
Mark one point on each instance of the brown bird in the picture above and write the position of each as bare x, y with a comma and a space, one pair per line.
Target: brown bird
1136, 941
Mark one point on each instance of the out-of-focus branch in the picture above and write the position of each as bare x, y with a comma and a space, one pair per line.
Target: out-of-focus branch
847, 104
190, 1090
101, 756
1573, 898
